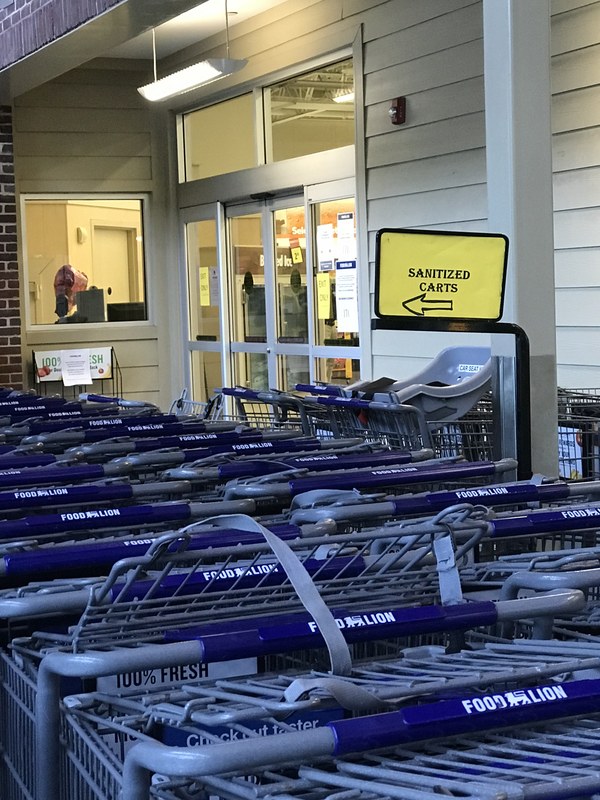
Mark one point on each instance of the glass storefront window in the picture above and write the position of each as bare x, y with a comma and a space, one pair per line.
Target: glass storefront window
251, 370
310, 113
206, 375
336, 274
337, 371
249, 321
220, 138
84, 260
204, 281
293, 370
290, 271
307, 114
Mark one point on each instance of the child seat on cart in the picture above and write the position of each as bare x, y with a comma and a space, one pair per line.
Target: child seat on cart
450, 385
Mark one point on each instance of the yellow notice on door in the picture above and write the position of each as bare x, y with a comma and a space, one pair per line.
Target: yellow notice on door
204, 286
323, 295
440, 274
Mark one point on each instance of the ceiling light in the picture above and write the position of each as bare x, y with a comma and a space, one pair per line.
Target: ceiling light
344, 97
185, 80
189, 78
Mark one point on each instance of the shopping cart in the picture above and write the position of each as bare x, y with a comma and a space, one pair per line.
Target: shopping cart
135, 466
139, 405
550, 757
425, 473
350, 507
452, 394
69, 411
302, 461
212, 409
328, 416
272, 409
573, 569
389, 421
211, 735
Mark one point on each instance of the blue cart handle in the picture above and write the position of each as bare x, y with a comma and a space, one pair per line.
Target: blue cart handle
238, 391
474, 714
342, 402
319, 389
119, 401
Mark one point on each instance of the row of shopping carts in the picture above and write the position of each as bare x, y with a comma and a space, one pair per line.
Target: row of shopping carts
228, 608
328, 412
385, 419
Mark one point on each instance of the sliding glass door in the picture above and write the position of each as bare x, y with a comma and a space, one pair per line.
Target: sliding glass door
273, 292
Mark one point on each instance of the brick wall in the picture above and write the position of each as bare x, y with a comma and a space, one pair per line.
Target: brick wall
11, 366
27, 25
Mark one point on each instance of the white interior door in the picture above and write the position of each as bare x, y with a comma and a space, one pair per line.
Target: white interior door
112, 252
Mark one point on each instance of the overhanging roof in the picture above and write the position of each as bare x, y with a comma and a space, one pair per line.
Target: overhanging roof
93, 39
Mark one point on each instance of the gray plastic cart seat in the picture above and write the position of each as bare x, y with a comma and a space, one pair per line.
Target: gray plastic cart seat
450, 385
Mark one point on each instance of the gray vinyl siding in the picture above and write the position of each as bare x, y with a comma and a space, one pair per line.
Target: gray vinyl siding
576, 167
89, 132
431, 172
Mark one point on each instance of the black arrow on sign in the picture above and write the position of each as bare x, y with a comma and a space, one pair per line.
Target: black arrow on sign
427, 306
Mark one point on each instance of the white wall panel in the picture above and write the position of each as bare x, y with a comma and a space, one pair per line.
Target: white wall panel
575, 70
70, 143
576, 149
77, 96
562, 6
578, 306
578, 345
430, 37
427, 175
576, 109
578, 377
576, 163
54, 119
430, 106
93, 167
576, 30
577, 189
579, 228
426, 141
452, 65
447, 205
577, 267
392, 16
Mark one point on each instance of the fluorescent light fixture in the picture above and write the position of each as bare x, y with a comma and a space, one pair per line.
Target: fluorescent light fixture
344, 97
185, 80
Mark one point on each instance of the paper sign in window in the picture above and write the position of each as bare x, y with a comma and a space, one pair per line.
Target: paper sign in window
346, 296
204, 286
323, 295
75, 365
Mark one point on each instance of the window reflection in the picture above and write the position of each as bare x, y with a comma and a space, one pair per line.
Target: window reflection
84, 260
310, 113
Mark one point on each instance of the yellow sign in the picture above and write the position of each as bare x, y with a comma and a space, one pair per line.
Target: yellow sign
440, 274
204, 286
323, 295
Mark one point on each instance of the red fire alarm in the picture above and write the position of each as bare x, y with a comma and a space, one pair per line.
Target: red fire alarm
398, 111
